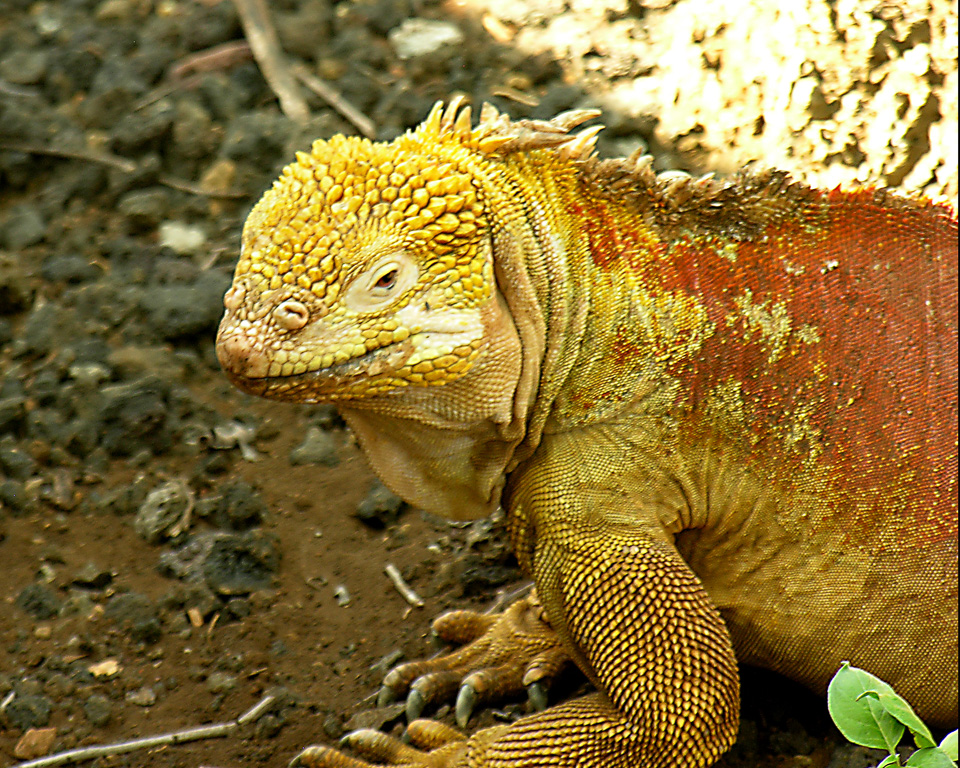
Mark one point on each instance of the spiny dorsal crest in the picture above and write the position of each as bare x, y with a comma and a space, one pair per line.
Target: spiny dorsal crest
496, 133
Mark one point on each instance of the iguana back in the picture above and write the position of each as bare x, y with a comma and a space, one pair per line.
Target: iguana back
795, 355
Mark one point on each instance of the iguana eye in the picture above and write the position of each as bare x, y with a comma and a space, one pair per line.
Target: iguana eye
387, 280
380, 285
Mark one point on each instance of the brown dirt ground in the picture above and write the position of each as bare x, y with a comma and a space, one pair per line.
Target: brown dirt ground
297, 637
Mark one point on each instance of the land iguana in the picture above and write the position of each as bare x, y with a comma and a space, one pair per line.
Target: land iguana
721, 418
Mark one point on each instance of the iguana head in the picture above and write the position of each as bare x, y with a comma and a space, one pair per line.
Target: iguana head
368, 267
362, 270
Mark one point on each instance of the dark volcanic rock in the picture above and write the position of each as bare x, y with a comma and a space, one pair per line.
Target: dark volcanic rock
39, 601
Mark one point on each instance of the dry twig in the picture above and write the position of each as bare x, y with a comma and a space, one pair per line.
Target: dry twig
507, 597
332, 96
195, 189
174, 737
188, 73
103, 158
213, 59
405, 590
120, 163
16, 90
266, 50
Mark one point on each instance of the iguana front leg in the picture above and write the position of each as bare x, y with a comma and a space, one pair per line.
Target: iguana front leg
631, 614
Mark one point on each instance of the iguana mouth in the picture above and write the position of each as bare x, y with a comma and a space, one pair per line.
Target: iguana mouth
324, 381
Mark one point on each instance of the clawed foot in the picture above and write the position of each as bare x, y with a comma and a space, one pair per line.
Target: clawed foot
434, 745
503, 655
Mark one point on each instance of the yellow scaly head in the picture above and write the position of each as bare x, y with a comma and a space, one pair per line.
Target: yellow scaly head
368, 267
363, 269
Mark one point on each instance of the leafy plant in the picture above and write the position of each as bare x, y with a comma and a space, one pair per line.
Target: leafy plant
870, 713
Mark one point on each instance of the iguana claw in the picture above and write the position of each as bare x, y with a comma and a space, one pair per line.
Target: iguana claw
415, 704
537, 695
466, 701
386, 695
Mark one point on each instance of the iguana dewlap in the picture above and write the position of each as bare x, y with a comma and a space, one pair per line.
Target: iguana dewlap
720, 416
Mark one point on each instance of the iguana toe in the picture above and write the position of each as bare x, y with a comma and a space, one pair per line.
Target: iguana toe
432, 745
431, 734
381, 747
489, 684
431, 689
325, 757
462, 627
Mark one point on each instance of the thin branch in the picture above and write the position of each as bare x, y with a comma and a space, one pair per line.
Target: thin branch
507, 597
405, 590
175, 737
255, 711
188, 72
265, 45
186, 83
333, 97
15, 90
71, 154
195, 189
120, 163
213, 59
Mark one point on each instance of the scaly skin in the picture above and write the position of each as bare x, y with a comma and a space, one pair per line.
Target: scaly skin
720, 416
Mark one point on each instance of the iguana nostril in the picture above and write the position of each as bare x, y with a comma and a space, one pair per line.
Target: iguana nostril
291, 315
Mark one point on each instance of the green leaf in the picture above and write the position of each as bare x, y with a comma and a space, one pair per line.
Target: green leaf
949, 745
898, 708
853, 701
930, 758
890, 760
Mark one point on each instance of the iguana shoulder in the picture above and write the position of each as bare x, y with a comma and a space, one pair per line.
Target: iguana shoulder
718, 413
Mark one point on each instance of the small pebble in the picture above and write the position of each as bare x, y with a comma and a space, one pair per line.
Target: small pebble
221, 682
43, 631
28, 710
342, 595
182, 238
142, 697
417, 38
36, 742
98, 710
318, 447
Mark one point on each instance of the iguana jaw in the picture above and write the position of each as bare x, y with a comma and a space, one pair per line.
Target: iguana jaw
426, 348
323, 385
